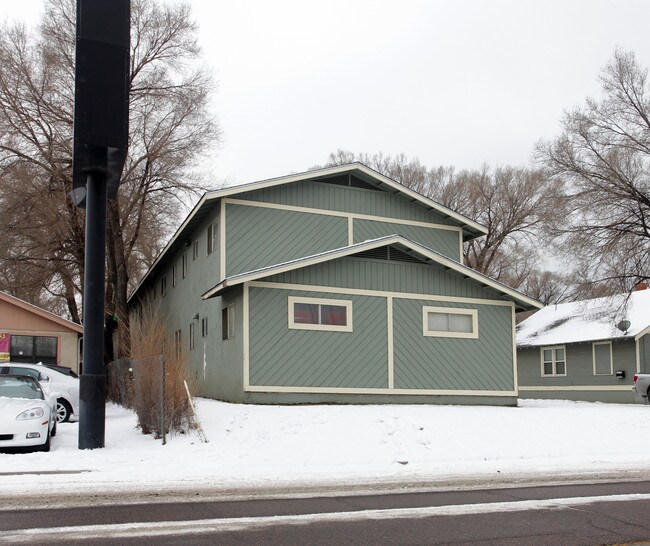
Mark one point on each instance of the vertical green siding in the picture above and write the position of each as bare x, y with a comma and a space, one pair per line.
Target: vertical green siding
321, 195
259, 237
445, 241
386, 276
303, 358
644, 353
221, 377
453, 364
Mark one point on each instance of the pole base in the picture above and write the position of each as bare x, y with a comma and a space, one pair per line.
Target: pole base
92, 410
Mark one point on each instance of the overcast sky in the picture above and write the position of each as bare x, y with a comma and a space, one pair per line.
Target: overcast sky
451, 82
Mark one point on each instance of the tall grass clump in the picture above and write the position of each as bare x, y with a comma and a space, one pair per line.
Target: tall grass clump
159, 371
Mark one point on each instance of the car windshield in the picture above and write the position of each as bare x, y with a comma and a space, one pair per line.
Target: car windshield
20, 387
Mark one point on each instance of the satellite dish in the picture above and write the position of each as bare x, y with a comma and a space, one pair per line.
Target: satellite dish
624, 326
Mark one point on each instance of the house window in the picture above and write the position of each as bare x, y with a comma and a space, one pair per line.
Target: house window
320, 314
33, 349
177, 343
603, 361
195, 250
228, 322
163, 286
174, 275
184, 266
553, 361
204, 327
191, 336
212, 237
449, 322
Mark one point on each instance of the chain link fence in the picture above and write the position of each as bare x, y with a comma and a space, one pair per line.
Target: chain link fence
154, 388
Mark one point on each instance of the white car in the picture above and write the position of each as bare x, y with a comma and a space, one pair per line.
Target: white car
65, 387
27, 413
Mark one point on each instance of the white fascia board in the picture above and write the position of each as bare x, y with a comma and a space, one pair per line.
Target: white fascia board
368, 245
169, 244
340, 169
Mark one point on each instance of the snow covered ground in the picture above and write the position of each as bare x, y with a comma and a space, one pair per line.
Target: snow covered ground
276, 446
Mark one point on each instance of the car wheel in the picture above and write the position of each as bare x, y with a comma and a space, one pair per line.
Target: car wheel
63, 411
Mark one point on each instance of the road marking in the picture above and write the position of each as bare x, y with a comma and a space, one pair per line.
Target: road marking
163, 528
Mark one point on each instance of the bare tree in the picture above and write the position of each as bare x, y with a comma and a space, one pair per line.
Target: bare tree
170, 129
604, 155
516, 205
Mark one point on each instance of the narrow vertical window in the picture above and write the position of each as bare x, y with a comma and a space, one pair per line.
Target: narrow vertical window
184, 265
212, 237
174, 275
228, 322
204, 327
177, 343
192, 336
195, 250
163, 286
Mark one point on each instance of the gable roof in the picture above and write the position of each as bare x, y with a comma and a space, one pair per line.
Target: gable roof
209, 201
412, 248
17, 302
587, 320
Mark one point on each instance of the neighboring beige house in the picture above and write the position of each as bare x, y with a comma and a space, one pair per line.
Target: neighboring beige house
30, 334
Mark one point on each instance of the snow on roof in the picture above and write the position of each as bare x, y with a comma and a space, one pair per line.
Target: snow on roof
587, 320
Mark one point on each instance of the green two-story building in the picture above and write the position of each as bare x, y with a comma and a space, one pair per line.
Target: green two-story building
337, 285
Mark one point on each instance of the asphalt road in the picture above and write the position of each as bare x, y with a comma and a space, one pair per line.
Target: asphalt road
607, 513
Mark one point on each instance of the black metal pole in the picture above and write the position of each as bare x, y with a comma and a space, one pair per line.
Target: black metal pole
92, 393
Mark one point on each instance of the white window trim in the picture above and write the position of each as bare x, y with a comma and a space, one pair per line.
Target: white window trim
541, 358
611, 356
293, 325
451, 310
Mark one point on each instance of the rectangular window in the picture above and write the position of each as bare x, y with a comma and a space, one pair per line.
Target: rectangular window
320, 314
212, 237
204, 327
228, 322
163, 286
449, 322
33, 349
553, 361
195, 250
177, 343
192, 336
603, 361
184, 265
174, 275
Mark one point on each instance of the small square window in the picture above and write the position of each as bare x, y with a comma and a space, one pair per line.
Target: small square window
553, 361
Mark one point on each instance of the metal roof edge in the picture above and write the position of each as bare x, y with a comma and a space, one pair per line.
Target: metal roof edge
366, 245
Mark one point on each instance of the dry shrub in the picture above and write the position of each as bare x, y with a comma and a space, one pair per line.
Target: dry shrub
120, 382
157, 369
